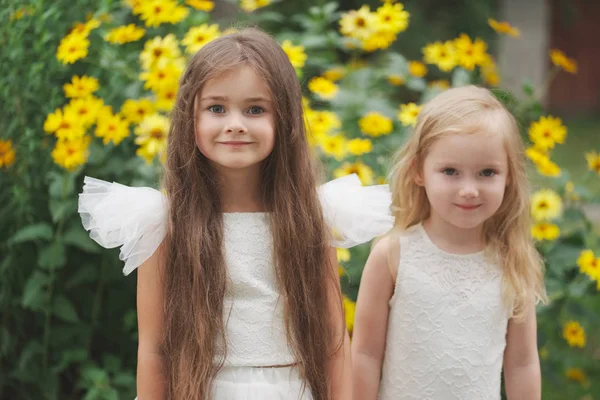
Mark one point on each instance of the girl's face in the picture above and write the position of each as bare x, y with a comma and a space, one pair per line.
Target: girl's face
465, 176
235, 121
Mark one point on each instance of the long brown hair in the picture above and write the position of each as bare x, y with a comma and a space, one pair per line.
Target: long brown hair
471, 110
196, 274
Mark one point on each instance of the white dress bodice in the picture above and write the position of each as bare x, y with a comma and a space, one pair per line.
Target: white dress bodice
252, 308
447, 325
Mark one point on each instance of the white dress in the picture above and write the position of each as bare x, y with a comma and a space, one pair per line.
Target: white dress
447, 325
133, 218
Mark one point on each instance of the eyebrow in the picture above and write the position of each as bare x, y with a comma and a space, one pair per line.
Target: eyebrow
452, 163
247, 100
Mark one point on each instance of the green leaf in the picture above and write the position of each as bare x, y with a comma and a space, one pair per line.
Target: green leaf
62, 208
460, 77
62, 185
70, 356
34, 294
37, 231
528, 87
64, 309
562, 257
78, 237
579, 286
123, 379
52, 256
84, 274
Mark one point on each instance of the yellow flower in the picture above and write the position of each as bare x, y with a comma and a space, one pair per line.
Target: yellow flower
587, 261
322, 122
575, 374
470, 53
81, 87
547, 131
381, 180
343, 255
125, 34
358, 147
22, 12
544, 353
334, 146
504, 27
84, 29
396, 80
72, 48
392, 18
547, 167
489, 71
113, 128
593, 161
70, 154
65, 126
349, 311
159, 51
379, 39
408, 114
296, 54
134, 111
441, 84
135, 5
375, 124
562, 61
7, 153
364, 172
198, 36
574, 334
202, 5
417, 69
546, 204
166, 96
323, 87
86, 109
152, 136
157, 12
545, 231
359, 24
161, 77
441, 54
253, 5
334, 74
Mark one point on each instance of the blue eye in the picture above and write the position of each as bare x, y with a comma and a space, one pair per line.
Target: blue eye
488, 173
216, 109
255, 110
449, 171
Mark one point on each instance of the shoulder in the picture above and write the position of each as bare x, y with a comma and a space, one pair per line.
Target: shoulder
386, 251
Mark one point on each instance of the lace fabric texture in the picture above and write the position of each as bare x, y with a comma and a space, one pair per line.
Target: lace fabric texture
253, 308
447, 325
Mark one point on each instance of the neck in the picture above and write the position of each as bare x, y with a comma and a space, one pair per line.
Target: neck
240, 190
454, 239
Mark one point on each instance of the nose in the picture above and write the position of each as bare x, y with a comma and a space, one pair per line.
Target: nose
235, 125
468, 191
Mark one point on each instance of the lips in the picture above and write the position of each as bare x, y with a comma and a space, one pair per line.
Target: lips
235, 143
468, 207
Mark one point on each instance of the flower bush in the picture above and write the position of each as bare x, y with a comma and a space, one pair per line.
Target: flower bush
90, 94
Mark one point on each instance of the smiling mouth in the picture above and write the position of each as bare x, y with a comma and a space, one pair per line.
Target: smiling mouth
468, 207
235, 143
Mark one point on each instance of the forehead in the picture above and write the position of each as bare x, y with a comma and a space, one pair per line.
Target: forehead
241, 82
472, 148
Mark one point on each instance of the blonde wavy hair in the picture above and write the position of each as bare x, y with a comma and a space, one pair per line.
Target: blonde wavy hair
470, 110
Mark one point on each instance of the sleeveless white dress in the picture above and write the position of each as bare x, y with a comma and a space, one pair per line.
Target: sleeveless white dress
134, 219
447, 325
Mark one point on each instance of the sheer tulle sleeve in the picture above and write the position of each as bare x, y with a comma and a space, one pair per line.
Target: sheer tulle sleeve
355, 213
133, 218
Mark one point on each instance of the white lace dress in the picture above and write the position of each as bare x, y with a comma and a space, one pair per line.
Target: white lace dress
447, 325
133, 218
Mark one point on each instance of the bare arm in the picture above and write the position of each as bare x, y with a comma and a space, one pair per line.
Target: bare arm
340, 372
371, 319
522, 373
150, 292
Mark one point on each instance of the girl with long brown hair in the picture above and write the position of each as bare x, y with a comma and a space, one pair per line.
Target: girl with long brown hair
238, 296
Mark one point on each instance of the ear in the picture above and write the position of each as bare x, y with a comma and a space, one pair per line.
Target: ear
417, 174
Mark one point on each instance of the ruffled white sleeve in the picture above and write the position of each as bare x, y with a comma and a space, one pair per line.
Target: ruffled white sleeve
133, 218
355, 213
